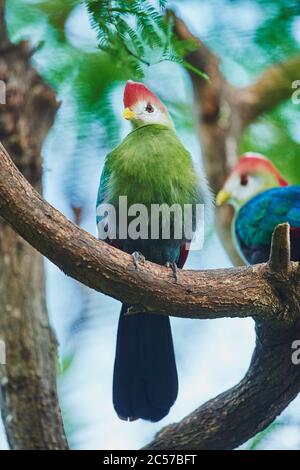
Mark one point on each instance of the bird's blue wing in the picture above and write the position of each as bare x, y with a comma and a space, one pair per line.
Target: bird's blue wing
256, 220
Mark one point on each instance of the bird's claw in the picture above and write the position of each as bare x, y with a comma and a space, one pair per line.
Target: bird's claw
137, 256
134, 309
174, 267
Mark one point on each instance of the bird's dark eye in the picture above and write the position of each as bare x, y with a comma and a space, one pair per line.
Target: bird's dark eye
149, 108
244, 180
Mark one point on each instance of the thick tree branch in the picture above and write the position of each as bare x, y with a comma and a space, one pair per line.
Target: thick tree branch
270, 384
269, 293
236, 415
273, 87
199, 294
272, 380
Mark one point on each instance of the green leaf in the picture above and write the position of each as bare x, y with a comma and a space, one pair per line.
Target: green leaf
133, 31
198, 72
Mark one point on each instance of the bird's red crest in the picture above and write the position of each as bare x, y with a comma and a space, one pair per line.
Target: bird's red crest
135, 91
250, 161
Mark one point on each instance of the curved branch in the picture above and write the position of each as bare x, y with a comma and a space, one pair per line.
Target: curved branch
271, 88
259, 291
271, 382
198, 294
236, 415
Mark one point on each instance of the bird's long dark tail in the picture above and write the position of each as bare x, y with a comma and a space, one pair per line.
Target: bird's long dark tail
145, 381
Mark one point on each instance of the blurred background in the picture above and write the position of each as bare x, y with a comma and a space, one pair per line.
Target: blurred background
247, 35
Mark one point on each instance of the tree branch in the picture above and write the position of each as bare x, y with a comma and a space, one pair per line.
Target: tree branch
223, 113
280, 256
273, 87
272, 380
236, 415
259, 291
199, 294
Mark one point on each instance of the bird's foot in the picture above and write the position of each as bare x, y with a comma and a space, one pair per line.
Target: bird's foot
134, 309
137, 256
174, 267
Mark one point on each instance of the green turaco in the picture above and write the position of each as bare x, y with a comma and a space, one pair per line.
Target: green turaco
150, 167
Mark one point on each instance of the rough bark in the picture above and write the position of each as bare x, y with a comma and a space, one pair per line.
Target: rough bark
268, 292
198, 294
28, 381
236, 415
271, 383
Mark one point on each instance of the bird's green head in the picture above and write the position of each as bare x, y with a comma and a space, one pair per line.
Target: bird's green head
143, 107
253, 174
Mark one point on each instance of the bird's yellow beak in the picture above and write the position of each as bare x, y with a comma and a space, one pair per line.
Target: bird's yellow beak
222, 197
128, 114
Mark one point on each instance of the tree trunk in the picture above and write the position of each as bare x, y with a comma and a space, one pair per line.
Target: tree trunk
30, 408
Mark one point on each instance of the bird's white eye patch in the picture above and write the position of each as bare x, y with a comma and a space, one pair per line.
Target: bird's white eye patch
244, 187
150, 113
143, 108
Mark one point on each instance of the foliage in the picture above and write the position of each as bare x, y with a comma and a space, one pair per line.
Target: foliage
83, 78
275, 134
86, 73
135, 33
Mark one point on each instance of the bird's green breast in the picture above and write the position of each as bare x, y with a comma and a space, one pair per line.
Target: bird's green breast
151, 166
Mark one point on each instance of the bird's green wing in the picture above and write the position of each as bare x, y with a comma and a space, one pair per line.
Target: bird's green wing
103, 188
